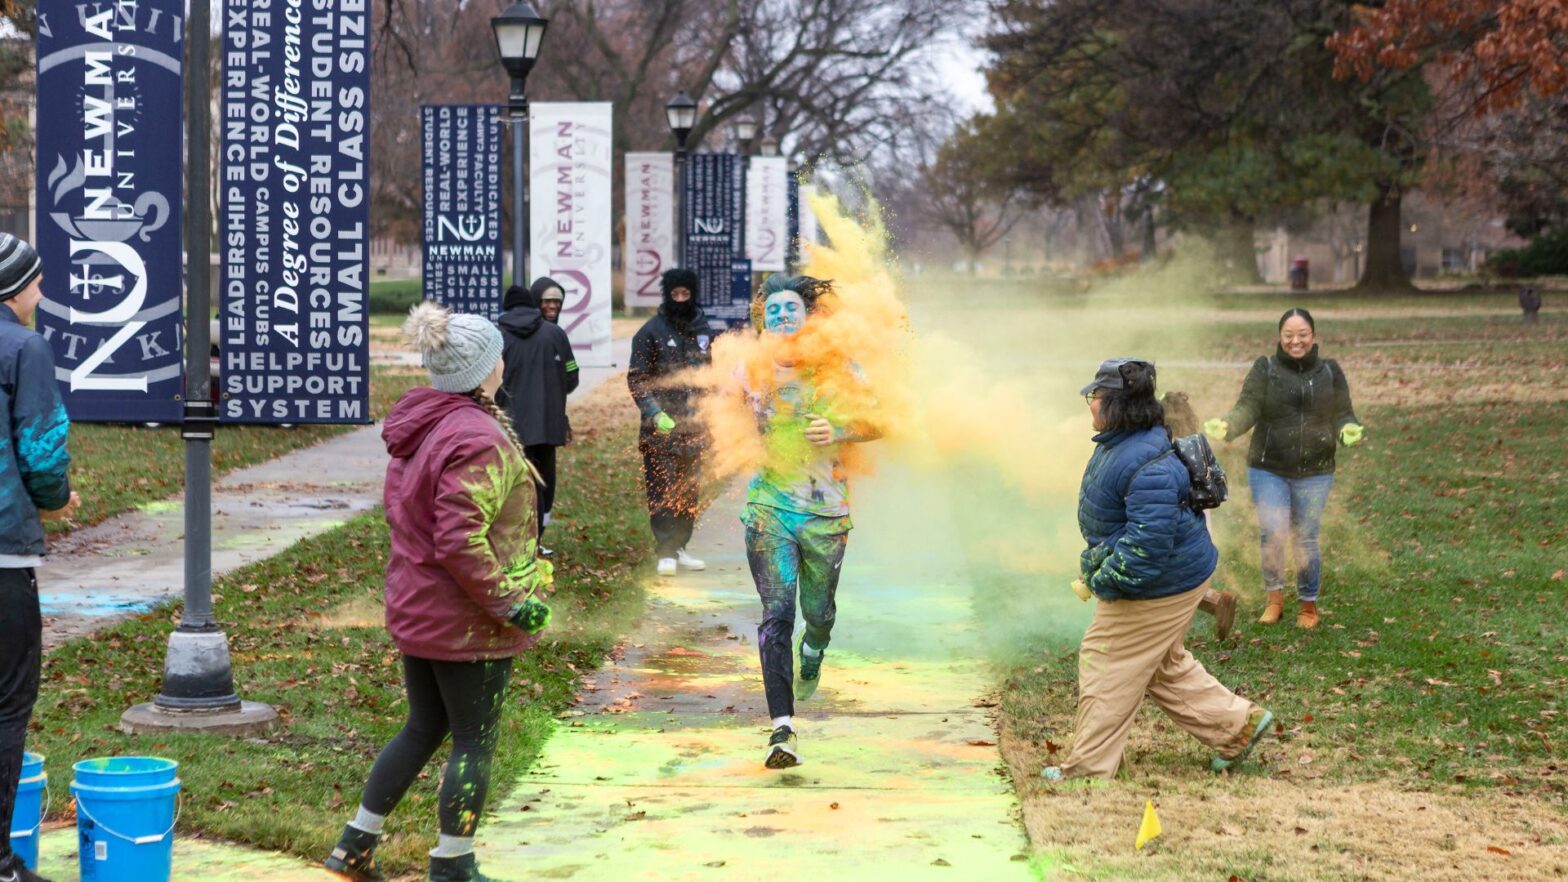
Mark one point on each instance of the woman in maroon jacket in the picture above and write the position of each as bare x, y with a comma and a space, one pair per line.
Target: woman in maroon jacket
460, 586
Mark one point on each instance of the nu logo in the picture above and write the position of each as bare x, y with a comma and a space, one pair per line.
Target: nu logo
469, 228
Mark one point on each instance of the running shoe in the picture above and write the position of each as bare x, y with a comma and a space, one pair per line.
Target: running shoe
1259, 720
810, 670
783, 751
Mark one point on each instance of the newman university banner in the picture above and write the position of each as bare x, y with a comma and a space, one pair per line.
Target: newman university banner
461, 153
570, 170
109, 148
712, 228
767, 213
650, 225
294, 194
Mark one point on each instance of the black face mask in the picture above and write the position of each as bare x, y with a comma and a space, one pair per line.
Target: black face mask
680, 311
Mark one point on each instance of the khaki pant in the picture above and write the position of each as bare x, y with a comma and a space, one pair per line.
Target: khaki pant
1133, 647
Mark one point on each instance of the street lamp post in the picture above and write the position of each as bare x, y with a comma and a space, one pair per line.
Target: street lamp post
745, 129
519, 30
681, 114
770, 146
198, 678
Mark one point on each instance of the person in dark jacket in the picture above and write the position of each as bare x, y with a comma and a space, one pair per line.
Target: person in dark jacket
34, 467
462, 586
540, 372
1297, 406
674, 341
1148, 559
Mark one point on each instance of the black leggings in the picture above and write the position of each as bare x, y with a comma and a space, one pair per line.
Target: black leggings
465, 699
543, 458
20, 641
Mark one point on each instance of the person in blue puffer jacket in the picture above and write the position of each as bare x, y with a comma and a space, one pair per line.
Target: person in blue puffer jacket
1148, 560
34, 479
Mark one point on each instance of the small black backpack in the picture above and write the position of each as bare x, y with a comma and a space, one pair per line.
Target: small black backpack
1209, 487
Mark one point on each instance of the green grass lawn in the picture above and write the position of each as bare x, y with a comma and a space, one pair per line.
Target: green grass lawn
1421, 729
307, 637
1444, 654
116, 468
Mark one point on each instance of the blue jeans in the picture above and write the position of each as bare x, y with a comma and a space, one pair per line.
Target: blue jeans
1293, 508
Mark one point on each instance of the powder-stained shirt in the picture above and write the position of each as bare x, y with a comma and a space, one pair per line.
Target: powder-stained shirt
34, 428
798, 476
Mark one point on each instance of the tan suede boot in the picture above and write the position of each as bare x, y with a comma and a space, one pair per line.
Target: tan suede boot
1274, 608
1308, 617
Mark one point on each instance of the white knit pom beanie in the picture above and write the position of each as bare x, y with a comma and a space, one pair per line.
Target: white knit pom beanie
458, 349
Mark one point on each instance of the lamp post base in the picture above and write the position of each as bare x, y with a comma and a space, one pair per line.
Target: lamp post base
247, 719
198, 691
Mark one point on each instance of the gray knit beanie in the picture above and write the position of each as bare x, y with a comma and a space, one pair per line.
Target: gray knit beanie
19, 265
458, 349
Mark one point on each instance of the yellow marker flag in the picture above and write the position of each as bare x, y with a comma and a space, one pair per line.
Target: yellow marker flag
1150, 827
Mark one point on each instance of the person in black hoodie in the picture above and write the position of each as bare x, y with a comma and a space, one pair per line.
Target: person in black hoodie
1297, 406
540, 372
675, 340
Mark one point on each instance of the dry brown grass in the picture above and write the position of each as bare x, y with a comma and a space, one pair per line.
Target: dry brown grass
608, 406
1283, 828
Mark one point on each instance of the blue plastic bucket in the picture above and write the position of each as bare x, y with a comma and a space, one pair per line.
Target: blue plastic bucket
125, 816
28, 816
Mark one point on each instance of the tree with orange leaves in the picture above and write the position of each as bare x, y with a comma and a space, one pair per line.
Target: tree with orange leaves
1504, 49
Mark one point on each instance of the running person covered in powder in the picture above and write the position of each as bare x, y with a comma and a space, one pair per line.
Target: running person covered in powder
797, 508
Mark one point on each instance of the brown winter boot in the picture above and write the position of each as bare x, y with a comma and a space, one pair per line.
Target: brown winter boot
1308, 617
1222, 606
1274, 608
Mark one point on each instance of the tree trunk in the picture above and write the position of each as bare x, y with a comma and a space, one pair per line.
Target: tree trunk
1385, 269
1237, 253
1149, 246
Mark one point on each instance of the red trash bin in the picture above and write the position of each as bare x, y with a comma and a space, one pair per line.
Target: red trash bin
1298, 274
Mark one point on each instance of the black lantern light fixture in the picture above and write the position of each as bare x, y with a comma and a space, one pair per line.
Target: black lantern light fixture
681, 114
519, 31
745, 130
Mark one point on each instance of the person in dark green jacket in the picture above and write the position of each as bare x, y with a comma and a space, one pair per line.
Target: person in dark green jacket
1297, 406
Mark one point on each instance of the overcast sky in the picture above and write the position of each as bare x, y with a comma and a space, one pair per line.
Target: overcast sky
961, 72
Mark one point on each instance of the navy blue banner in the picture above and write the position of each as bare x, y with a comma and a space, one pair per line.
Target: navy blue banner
295, 198
792, 212
738, 206
712, 228
462, 206
109, 149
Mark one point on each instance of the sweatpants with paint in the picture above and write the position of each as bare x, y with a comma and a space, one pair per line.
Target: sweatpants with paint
792, 554
1134, 648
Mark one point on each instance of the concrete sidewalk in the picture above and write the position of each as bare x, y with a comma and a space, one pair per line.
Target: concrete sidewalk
659, 774
135, 561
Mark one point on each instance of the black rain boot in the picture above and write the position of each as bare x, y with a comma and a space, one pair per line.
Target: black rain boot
354, 856
457, 869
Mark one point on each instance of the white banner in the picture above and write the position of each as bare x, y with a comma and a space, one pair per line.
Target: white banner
767, 213
569, 180
808, 222
650, 225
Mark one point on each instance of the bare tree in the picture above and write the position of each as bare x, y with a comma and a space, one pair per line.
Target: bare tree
963, 198
839, 79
